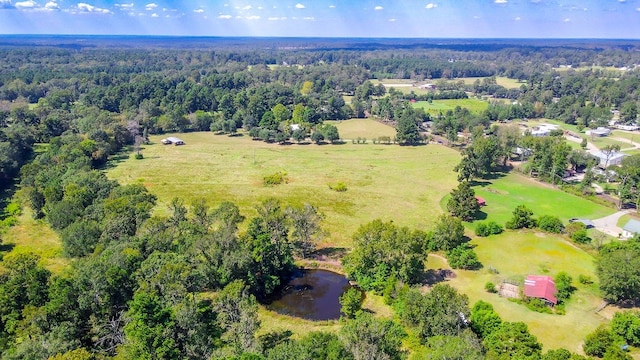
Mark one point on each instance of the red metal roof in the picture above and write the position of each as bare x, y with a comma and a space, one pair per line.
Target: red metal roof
541, 287
481, 201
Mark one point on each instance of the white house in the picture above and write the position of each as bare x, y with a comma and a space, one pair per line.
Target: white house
608, 158
631, 228
600, 131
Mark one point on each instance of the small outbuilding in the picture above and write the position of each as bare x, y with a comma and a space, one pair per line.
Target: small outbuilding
600, 132
630, 229
172, 140
481, 201
541, 287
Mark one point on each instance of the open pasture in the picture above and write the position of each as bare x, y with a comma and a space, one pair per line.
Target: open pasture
363, 128
437, 106
403, 184
505, 193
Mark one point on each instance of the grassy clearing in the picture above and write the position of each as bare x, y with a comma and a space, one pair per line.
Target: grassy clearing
601, 142
517, 254
436, 106
37, 237
631, 136
504, 194
274, 322
500, 80
366, 128
404, 184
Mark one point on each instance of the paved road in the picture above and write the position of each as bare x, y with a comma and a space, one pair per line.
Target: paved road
608, 224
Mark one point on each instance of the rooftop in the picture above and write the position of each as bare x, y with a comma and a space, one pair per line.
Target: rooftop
542, 287
632, 226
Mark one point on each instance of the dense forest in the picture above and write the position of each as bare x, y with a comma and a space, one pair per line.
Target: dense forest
188, 285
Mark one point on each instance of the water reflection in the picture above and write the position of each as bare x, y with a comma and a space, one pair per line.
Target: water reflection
312, 294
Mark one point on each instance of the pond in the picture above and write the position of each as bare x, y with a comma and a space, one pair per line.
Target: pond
311, 294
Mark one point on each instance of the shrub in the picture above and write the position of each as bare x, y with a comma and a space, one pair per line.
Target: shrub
538, 305
581, 237
490, 287
522, 218
564, 286
597, 343
138, 156
585, 279
463, 257
481, 229
275, 179
351, 303
550, 224
339, 187
574, 227
488, 228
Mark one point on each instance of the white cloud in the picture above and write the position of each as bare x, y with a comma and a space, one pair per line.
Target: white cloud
6, 4
299, 6
378, 8
273, 18
392, 20
154, 15
198, 11
309, 18
517, 18
88, 8
253, 17
566, 20
500, 1
29, 4
150, 6
260, 8
638, 9
124, 6
332, 6
51, 6
248, 7
224, 16
431, 6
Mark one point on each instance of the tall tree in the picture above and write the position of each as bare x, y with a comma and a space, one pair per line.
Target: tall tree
463, 203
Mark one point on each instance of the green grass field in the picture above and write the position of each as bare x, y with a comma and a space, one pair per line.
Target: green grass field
504, 194
601, 142
518, 254
436, 106
404, 184
37, 237
365, 128
500, 80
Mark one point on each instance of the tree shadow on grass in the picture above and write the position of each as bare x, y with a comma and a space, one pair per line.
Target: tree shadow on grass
480, 215
6, 247
435, 276
334, 253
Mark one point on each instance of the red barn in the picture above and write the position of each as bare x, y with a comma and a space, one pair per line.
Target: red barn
481, 201
541, 287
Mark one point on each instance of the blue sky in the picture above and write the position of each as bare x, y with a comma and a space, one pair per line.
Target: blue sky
331, 18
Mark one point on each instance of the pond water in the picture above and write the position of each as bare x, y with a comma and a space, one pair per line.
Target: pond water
311, 294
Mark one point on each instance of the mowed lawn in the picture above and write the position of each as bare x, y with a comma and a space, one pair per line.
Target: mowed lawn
517, 254
436, 106
362, 128
504, 194
390, 182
